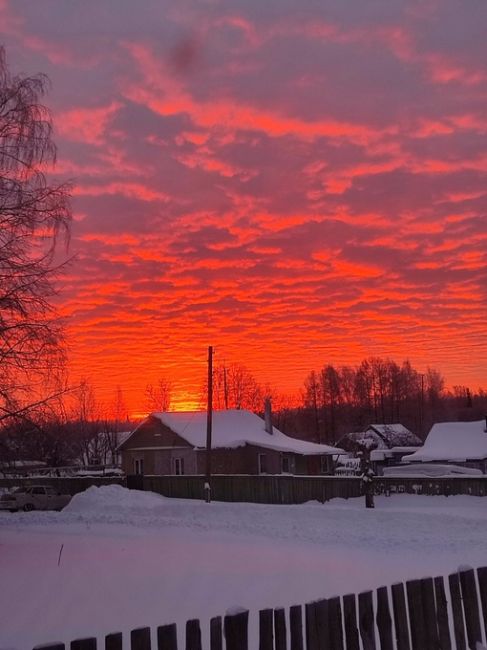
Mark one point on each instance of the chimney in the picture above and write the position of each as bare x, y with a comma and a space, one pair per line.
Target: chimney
268, 415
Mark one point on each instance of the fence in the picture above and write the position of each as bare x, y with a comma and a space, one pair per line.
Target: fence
299, 489
267, 489
412, 616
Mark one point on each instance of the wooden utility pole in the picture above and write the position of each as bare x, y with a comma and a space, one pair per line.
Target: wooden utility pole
208, 425
225, 387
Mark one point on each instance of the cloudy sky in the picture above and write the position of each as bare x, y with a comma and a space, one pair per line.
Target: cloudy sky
294, 182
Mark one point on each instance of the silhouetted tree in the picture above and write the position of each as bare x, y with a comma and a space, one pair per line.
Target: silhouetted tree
158, 397
33, 213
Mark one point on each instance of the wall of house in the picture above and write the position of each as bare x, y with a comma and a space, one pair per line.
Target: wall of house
143, 443
152, 432
243, 460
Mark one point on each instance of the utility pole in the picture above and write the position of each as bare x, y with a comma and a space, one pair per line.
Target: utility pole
208, 425
225, 388
421, 410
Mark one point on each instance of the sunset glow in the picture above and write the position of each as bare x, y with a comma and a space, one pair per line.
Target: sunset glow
295, 184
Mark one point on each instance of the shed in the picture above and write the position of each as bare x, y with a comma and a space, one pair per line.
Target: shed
460, 443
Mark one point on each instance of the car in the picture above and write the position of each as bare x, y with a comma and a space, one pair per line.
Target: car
34, 497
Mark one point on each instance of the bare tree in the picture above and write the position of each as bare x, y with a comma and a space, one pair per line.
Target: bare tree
158, 397
33, 213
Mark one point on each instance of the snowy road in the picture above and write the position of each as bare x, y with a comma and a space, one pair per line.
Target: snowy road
132, 559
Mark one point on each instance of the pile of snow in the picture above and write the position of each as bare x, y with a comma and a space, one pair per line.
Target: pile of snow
431, 470
110, 498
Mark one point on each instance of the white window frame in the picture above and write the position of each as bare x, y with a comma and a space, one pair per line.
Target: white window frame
139, 466
288, 460
324, 465
178, 466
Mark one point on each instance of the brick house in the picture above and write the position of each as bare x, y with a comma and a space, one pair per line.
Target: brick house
242, 443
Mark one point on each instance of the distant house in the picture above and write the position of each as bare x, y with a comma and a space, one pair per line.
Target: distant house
242, 443
458, 443
380, 437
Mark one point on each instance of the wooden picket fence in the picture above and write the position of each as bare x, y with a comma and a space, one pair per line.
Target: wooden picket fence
417, 615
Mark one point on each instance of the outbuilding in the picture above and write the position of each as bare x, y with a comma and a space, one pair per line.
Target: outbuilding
457, 443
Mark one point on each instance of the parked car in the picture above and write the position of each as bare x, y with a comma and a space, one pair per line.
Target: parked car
34, 497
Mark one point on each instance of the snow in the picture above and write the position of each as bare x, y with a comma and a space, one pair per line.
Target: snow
455, 441
430, 469
236, 428
132, 559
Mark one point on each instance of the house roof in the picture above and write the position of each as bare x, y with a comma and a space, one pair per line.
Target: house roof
453, 441
395, 435
362, 440
236, 428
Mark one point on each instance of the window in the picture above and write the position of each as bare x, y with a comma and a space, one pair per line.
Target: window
262, 463
139, 465
285, 465
324, 465
179, 466
38, 490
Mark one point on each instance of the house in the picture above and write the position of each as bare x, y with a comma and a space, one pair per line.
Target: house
457, 443
379, 436
242, 443
386, 458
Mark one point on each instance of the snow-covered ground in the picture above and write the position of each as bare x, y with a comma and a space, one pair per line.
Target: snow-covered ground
115, 559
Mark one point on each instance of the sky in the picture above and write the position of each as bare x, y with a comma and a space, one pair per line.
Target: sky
296, 183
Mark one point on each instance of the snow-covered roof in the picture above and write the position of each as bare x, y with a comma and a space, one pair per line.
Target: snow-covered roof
236, 428
395, 435
453, 441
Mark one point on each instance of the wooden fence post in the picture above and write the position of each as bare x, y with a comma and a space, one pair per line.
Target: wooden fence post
266, 629
193, 634
442, 614
280, 629
296, 627
457, 613
470, 607
335, 627
311, 629
350, 621
384, 620
416, 617
482, 577
216, 633
167, 638
84, 644
236, 631
400, 617
429, 613
140, 639
321, 622
114, 641
366, 620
